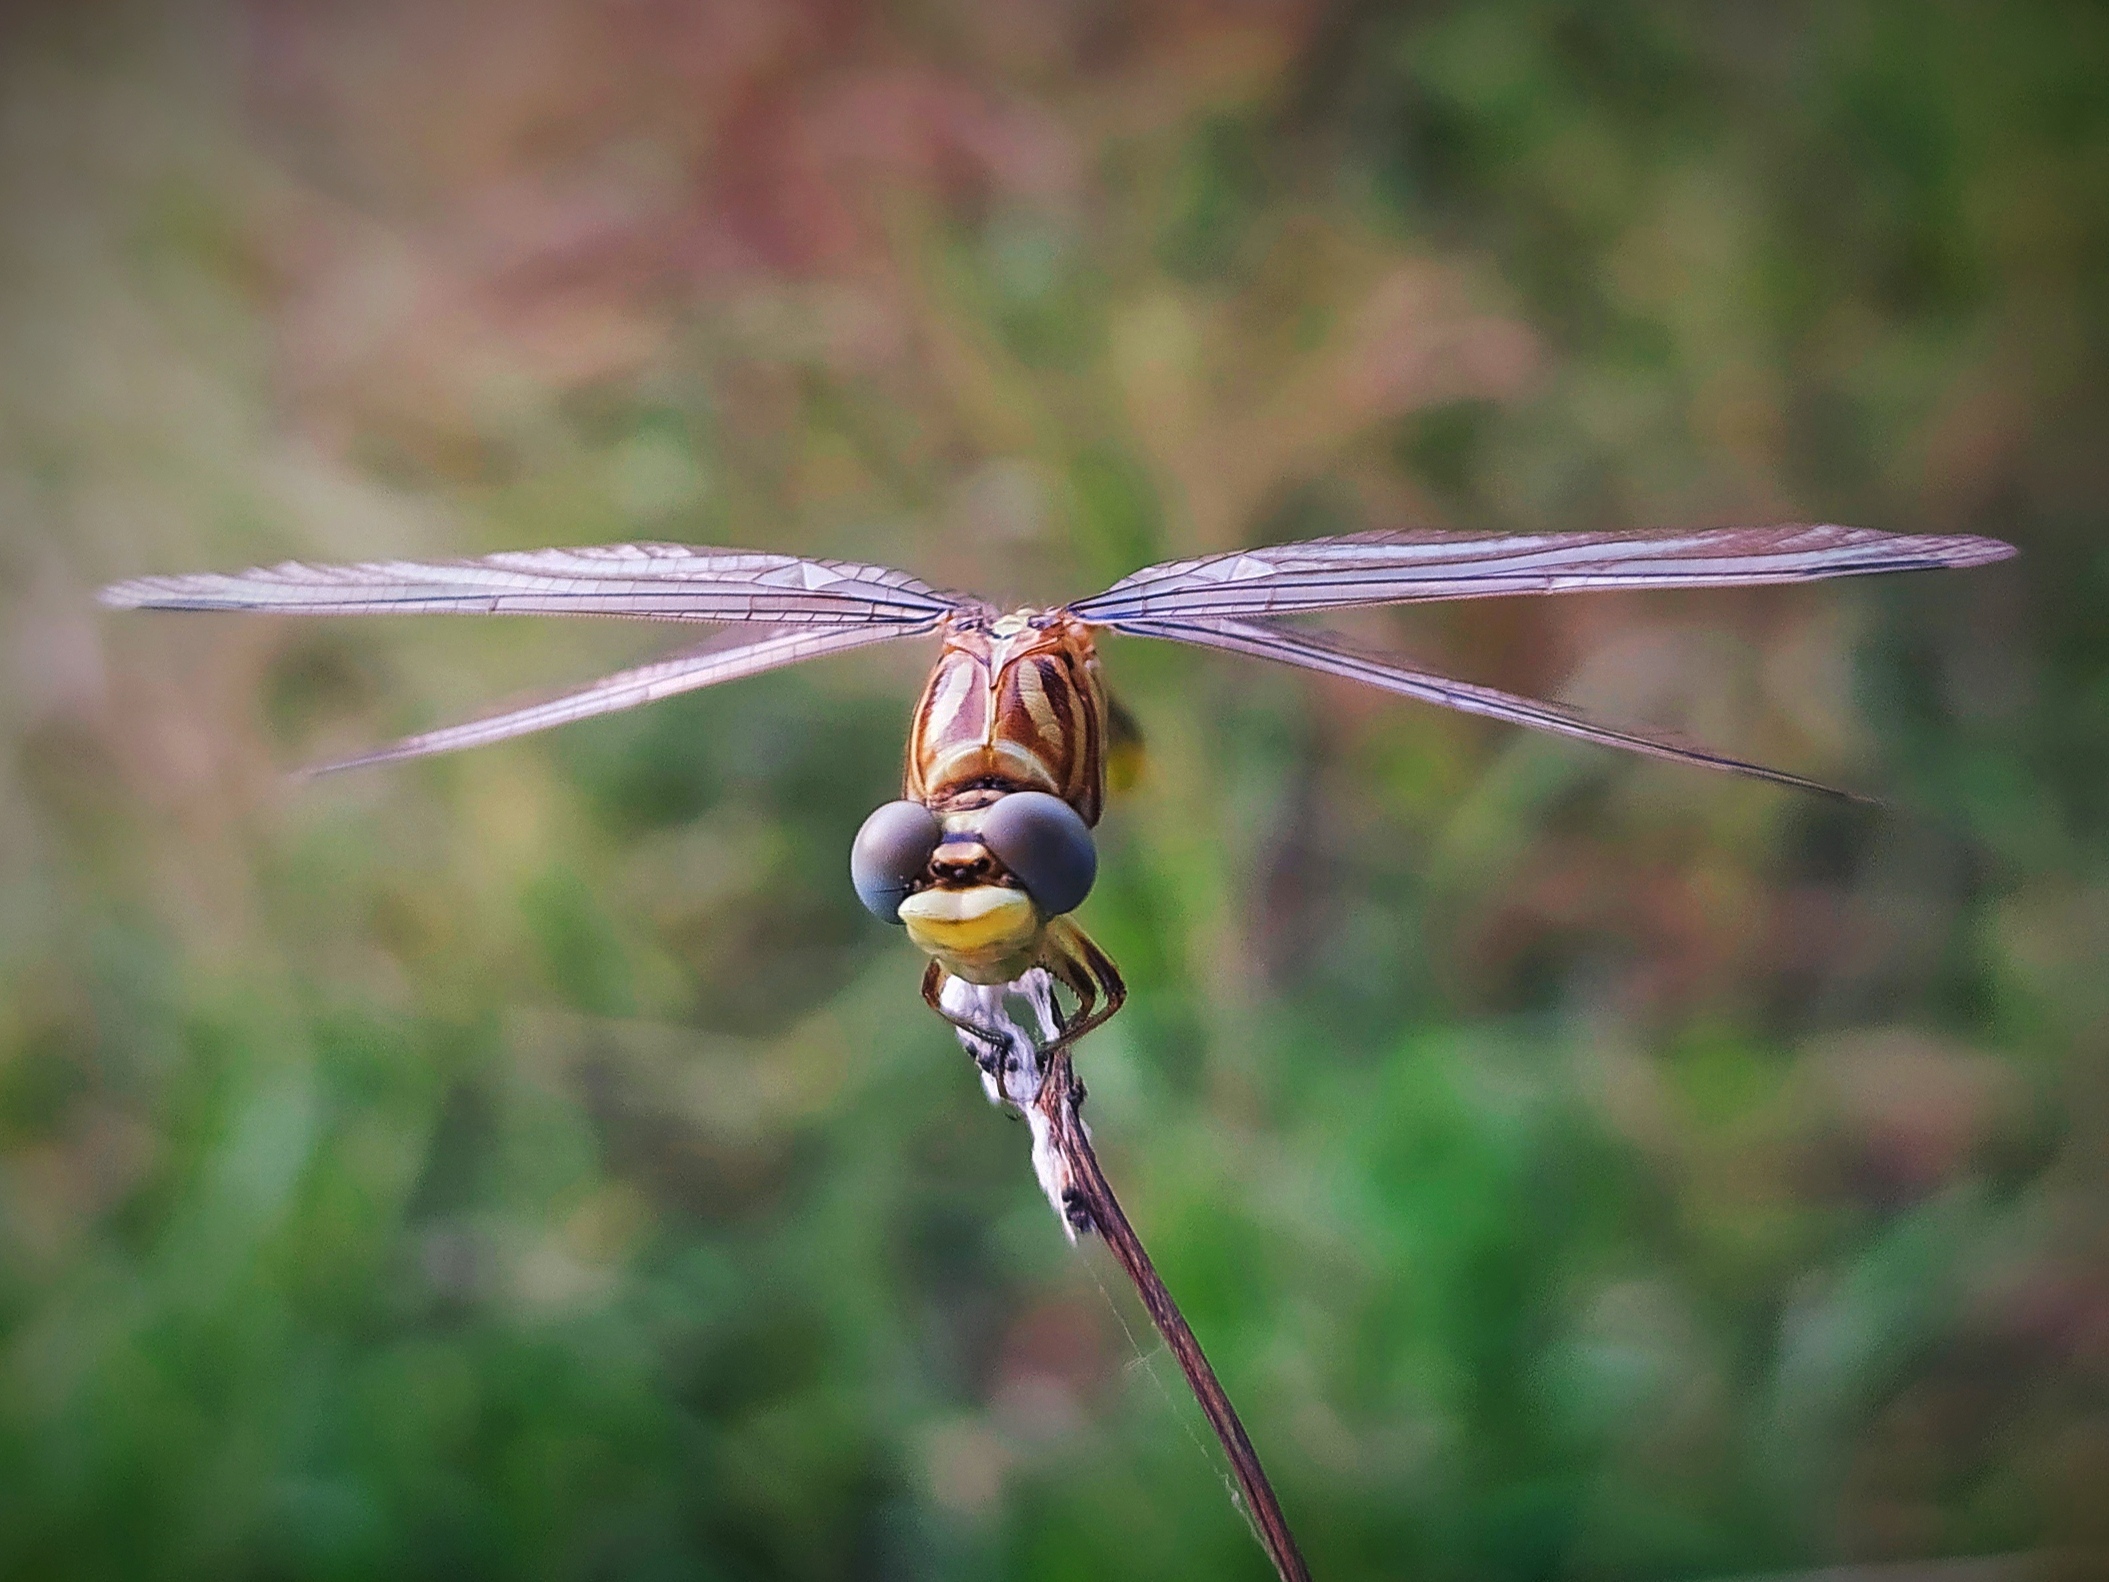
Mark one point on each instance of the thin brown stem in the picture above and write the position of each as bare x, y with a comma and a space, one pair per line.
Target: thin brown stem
1091, 1205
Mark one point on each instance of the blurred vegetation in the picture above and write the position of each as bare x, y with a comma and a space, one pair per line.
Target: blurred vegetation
533, 1164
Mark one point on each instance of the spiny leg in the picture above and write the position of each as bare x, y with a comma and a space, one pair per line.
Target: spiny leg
1074, 960
1077, 962
933, 996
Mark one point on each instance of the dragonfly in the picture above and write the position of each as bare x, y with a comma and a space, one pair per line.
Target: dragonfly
989, 850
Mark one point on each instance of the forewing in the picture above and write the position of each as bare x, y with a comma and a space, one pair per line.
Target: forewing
661, 582
725, 658
1404, 567
1333, 657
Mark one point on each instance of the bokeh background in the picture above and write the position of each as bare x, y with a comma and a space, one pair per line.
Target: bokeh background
533, 1164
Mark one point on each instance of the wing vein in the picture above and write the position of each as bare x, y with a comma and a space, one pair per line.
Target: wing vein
665, 582
1414, 566
1329, 655
702, 666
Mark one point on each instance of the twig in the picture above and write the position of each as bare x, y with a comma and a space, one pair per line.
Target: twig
1089, 1202
1036, 1078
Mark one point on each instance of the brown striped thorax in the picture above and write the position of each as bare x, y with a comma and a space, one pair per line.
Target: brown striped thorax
1006, 774
1015, 703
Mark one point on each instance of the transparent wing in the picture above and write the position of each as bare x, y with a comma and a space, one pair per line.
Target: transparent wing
1401, 567
661, 582
1333, 657
725, 658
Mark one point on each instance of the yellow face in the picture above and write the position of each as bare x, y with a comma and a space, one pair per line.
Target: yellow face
986, 934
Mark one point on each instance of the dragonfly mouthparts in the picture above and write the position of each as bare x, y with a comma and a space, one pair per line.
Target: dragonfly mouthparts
962, 859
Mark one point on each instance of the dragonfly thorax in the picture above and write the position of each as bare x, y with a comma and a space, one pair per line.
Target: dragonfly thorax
1014, 704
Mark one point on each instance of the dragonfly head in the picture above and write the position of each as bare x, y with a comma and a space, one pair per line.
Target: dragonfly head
975, 886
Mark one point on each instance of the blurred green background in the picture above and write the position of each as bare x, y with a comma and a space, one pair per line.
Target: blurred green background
533, 1164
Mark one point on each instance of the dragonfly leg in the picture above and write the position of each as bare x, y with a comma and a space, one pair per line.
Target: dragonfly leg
933, 996
1075, 959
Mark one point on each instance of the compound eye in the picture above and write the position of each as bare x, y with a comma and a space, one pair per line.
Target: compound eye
1046, 846
889, 854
